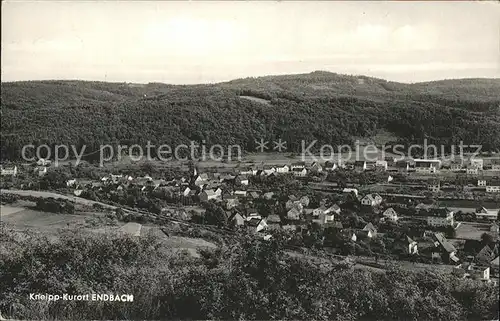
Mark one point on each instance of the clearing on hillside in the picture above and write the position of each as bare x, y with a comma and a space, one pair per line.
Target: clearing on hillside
257, 99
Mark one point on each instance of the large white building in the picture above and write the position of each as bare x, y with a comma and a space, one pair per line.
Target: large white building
427, 165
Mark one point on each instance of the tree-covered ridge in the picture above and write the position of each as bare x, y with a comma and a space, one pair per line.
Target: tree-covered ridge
319, 106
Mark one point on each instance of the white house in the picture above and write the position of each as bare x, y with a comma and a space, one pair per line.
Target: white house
71, 182
472, 170
495, 165
299, 172
477, 163
493, 187
186, 191
427, 165
350, 190
240, 193
440, 217
282, 169
481, 182
208, 195
370, 230
412, 246
371, 200
456, 166
299, 165
326, 214
9, 171
390, 214
483, 213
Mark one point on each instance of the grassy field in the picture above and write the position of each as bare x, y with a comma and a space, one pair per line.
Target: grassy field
471, 231
20, 217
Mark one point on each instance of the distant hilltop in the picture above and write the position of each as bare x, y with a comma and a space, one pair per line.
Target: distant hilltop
323, 106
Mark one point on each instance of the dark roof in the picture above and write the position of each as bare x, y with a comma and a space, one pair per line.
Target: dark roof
447, 246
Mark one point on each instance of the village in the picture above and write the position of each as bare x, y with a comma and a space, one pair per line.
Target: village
419, 211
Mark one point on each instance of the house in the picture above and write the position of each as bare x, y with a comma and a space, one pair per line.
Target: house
481, 182
71, 182
350, 190
381, 164
493, 187
304, 200
472, 271
403, 165
324, 218
237, 219
476, 162
412, 246
371, 200
273, 219
208, 195
485, 255
282, 169
294, 213
369, 230
390, 160
298, 165
495, 164
494, 228
483, 213
78, 192
444, 247
427, 165
240, 193
348, 235
41, 170
330, 166
456, 166
324, 211
268, 195
390, 214
316, 167
257, 224
494, 265
199, 181
434, 186
360, 166
230, 202
299, 172
252, 213
335, 209
293, 203
440, 217
253, 195
471, 170
43, 162
9, 171
247, 171
242, 180
186, 191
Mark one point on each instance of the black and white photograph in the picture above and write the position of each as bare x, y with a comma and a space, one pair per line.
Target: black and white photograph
250, 160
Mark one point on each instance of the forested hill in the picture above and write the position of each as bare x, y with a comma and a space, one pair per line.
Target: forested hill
321, 106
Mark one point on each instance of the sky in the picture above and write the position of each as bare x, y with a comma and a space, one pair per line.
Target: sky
186, 42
